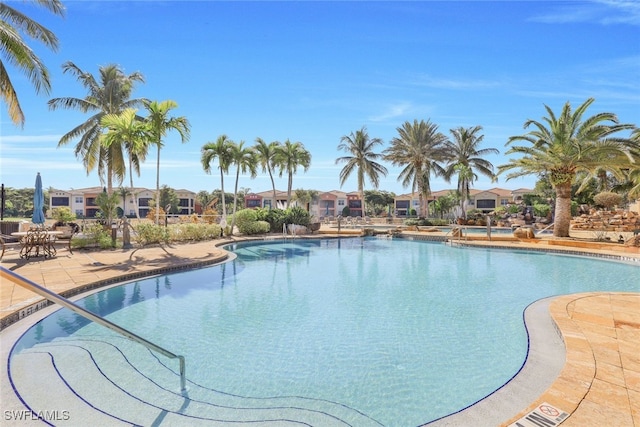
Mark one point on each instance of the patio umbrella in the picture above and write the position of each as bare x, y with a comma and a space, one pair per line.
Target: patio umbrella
38, 202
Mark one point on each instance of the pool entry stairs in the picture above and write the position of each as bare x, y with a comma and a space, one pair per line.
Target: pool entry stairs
110, 380
117, 378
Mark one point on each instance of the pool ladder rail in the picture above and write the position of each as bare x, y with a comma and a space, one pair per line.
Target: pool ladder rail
449, 237
54, 297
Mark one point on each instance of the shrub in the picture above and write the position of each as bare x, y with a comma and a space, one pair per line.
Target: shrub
245, 217
256, 227
513, 209
62, 215
147, 234
210, 215
262, 214
607, 199
193, 232
298, 216
94, 235
541, 209
276, 218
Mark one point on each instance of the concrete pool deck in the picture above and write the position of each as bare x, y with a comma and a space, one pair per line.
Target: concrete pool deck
598, 385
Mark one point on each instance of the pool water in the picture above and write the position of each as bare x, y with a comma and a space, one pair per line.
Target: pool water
402, 331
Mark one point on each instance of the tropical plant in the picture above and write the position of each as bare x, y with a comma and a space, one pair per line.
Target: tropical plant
14, 27
108, 205
123, 193
419, 147
297, 215
110, 95
245, 160
267, 156
362, 160
222, 149
159, 124
464, 158
443, 205
561, 146
291, 156
131, 134
62, 215
379, 202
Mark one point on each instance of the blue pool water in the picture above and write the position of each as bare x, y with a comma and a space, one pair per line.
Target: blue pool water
402, 331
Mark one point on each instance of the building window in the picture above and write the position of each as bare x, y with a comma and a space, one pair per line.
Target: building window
504, 202
340, 202
79, 200
144, 201
184, 203
267, 204
59, 201
79, 213
253, 203
486, 204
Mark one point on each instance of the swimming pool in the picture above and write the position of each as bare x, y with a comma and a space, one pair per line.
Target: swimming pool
403, 332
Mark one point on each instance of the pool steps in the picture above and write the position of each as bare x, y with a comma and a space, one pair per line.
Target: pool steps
112, 381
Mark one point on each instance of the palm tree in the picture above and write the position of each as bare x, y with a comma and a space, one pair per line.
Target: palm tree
131, 134
464, 158
159, 124
245, 160
292, 155
110, 95
15, 51
123, 192
363, 159
222, 149
268, 159
419, 147
562, 146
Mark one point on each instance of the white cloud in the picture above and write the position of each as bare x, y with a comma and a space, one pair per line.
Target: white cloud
604, 12
392, 111
460, 84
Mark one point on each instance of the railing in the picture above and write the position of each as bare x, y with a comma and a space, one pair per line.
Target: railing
52, 296
463, 233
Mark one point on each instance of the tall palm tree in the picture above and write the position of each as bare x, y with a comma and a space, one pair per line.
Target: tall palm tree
291, 156
245, 160
131, 134
108, 95
562, 146
160, 123
268, 159
222, 149
362, 159
419, 147
465, 158
15, 51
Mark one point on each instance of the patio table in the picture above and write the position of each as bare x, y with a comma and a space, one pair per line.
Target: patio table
37, 242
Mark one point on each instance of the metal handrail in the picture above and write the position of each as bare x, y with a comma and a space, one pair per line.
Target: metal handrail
52, 296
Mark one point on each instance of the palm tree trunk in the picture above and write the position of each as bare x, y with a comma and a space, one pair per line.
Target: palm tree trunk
224, 203
361, 195
135, 197
158, 187
273, 185
562, 221
289, 185
235, 202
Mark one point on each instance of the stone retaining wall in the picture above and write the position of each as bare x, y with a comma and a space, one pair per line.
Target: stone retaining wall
618, 221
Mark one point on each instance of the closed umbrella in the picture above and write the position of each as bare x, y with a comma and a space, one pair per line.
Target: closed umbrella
38, 202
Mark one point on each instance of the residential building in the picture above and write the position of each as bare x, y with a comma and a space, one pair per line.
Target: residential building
82, 201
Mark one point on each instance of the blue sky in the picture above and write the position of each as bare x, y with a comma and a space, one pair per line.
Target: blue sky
315, 71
